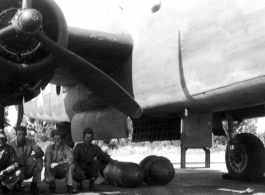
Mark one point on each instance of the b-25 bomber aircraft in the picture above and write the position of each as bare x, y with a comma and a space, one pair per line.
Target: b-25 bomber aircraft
178, 69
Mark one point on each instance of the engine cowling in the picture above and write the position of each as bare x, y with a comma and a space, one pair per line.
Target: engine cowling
29, 32
26, 66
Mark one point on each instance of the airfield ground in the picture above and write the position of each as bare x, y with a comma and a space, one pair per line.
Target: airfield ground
195, 179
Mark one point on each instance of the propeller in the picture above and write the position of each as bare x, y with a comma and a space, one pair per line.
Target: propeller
26, 4
7, 31
94, 79
29, 21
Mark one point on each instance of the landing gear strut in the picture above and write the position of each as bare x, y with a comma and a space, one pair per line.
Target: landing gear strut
245, 155
2, 117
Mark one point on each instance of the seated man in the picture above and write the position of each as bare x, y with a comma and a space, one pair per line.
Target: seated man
30, 164
85, 161
9, 173
58, 163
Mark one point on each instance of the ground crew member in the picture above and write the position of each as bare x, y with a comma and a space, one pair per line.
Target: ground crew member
85, 161
9, 172
30, 164
58, 163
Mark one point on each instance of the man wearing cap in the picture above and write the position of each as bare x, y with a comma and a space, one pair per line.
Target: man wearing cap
9, 172
29, 156
58, 163
85, 161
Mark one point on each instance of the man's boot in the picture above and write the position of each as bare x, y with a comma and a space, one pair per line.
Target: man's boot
70, 189
34, 188
3, 189
92, 186
13, 190
19, 187
52, 186
79, 185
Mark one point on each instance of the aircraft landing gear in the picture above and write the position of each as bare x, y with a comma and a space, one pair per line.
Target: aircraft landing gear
245, 155
2, 117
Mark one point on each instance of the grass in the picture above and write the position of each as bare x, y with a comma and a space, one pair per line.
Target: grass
146, 148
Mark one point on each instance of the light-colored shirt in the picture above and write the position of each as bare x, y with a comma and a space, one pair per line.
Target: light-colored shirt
62, 155
25, 151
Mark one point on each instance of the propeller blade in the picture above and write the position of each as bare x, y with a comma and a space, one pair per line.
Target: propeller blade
26, 4
46, 81
8, 31
34, 93
94, 79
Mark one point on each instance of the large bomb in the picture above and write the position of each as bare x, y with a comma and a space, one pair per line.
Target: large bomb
158, 170
127, 174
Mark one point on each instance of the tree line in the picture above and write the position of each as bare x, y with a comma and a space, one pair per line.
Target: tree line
41, 132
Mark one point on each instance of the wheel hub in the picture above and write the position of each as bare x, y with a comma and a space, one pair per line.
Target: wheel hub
238, 159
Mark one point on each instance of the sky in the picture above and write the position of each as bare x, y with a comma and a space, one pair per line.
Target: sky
12, 117
261, 125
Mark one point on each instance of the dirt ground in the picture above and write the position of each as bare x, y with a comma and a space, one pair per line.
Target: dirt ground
195, 179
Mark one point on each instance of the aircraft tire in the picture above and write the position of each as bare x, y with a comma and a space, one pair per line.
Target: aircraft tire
248, 161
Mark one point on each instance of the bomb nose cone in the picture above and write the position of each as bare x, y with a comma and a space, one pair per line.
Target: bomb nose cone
30, 21
158, 170
127, 175
139, 176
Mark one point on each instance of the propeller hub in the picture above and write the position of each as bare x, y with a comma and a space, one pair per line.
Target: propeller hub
29, 21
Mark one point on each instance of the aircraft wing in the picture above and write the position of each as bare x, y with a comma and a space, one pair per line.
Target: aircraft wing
42, 52
105, 51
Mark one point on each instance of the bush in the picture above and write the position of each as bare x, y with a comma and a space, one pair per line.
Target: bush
38, 130
41, 132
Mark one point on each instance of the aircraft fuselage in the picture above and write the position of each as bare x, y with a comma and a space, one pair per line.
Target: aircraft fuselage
207, 56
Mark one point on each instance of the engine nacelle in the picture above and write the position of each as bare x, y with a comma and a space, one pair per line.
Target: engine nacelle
107, 123
26, 66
